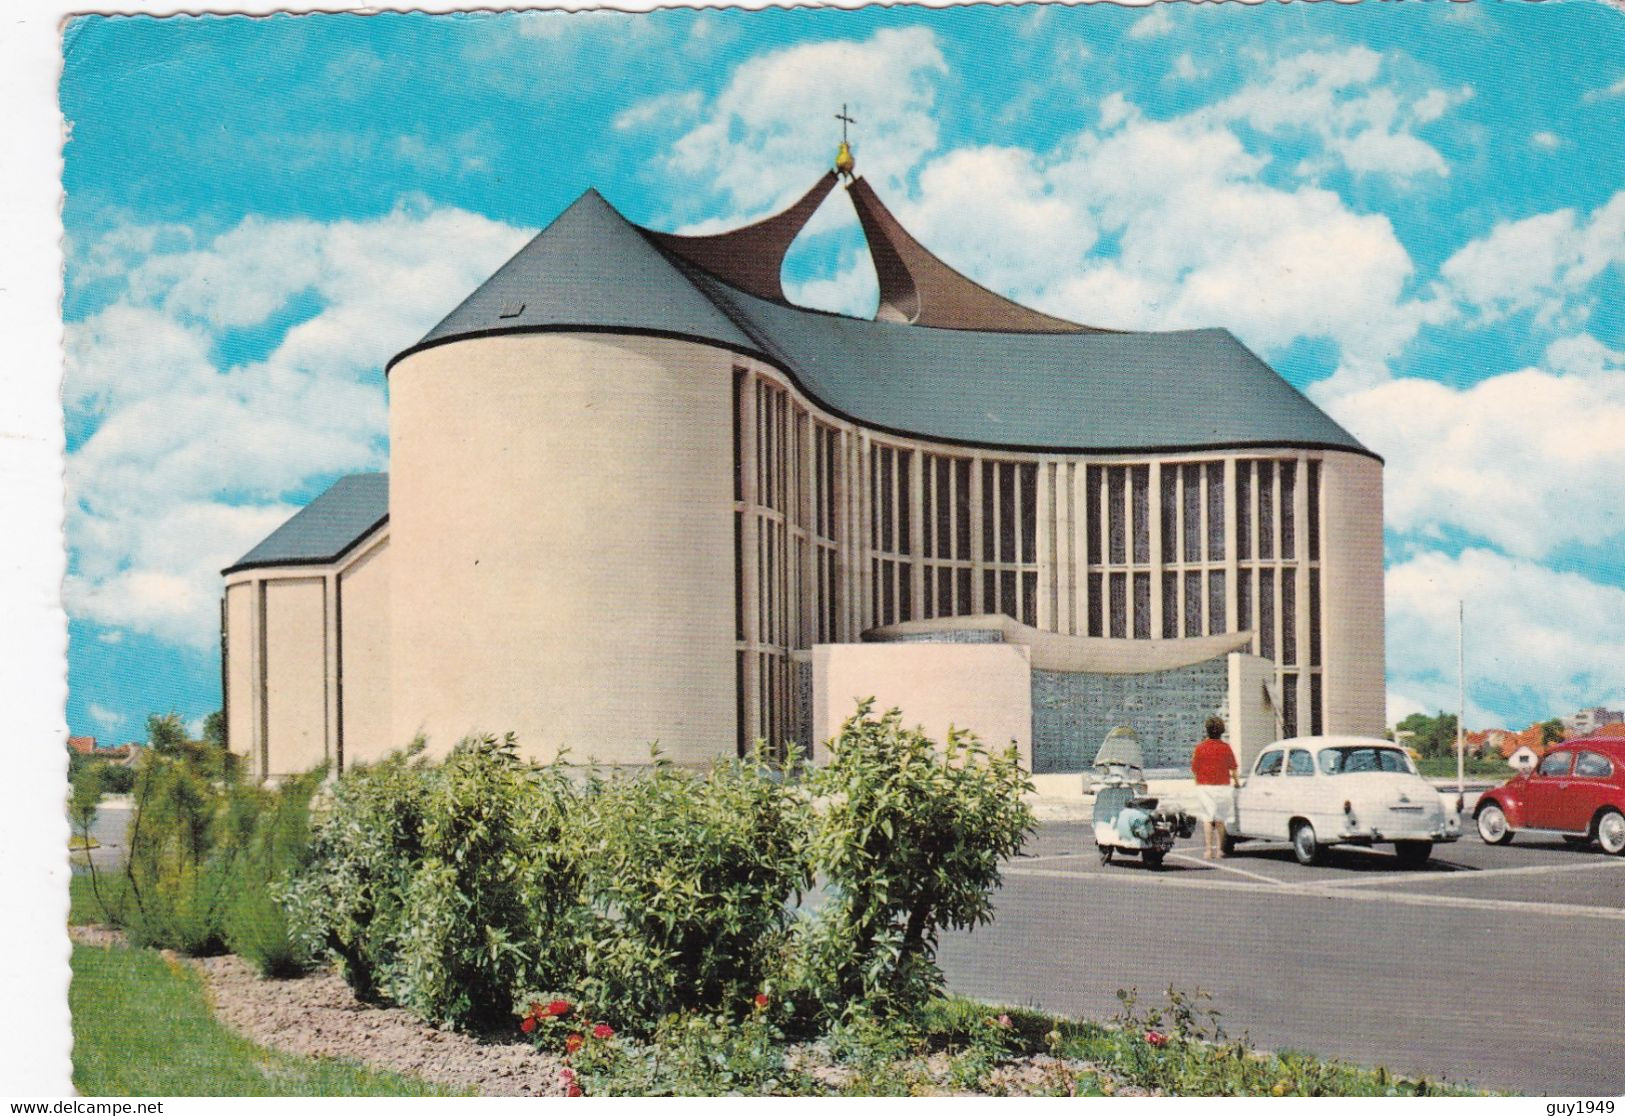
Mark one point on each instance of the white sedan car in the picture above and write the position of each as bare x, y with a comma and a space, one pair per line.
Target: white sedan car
1327, 790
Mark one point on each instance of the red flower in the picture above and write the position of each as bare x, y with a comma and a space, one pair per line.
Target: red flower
559, 1007
761, 1000
567, 1075
528, 1025
573, 1043
1156, 1038
573, 1091
1003, 1021
602, 1031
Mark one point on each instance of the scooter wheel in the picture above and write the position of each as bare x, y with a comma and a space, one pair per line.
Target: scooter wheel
1153, 857
1105, 854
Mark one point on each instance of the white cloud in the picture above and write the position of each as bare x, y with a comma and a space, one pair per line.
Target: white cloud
1542, 264
187, 463
1615, 90
757, 146
669, 110
1158, 22
1546, 141
1535, 638
1529, 461
1363, 124
104, 716
1186, 69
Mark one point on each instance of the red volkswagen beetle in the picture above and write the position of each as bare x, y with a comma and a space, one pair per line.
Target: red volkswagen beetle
1577, 790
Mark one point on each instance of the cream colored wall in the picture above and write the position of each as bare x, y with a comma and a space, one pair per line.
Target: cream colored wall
363, 592
1250, 722
1353, 621
561, 530
243, 693
983, 687
295, 674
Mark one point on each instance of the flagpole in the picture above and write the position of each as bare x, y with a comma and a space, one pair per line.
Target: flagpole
1461, 702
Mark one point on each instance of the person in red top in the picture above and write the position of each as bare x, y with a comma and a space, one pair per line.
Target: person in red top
1213, 765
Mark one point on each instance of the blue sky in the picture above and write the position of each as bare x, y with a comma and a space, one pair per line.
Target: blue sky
1415, 212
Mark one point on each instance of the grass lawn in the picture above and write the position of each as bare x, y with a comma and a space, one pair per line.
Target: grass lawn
1481, 769
142, 1027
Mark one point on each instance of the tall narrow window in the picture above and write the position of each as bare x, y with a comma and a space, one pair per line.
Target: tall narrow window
1170, 605
1029, 599
1244, 600
1191, 480
1314, 618
1289, 513
1266, 613
1141, 476
1193, 603
1215, 511
1096, 606
1314, 511
1289, 704
1316, 720
1142, 605
1289, 619
1116, 525
1170, 512
1266, 509
1008, 512
1119, 590
1091, 501
990, 522
962, 516
1215, 602
1029, 512
1244, 510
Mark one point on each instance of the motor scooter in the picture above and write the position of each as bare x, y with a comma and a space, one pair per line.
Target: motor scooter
1126, 818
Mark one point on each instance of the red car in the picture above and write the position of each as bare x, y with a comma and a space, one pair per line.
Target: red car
1577, 790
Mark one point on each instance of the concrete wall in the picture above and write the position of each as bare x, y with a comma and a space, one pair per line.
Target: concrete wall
983, 687
561, 535
1351, 570
243, 691
363, 675
295, 622
1250, 720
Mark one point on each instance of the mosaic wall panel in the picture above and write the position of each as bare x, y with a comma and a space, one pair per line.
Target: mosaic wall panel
1073, 712
964, 635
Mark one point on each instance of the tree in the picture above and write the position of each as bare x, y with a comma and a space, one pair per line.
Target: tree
214, 730
166, 733
1551, 732
1431, 736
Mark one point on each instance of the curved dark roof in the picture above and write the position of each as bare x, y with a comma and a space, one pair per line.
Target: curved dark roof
592, 270
352, 508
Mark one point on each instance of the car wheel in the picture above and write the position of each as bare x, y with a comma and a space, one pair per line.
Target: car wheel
1105, 854
1611, 832
1305, 846
1413, 854
1492, 825
1152, 858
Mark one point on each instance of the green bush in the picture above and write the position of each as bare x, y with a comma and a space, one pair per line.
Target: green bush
447, 888
691, 877
176, 886
910, 841
365, 848
270, 831
495, 904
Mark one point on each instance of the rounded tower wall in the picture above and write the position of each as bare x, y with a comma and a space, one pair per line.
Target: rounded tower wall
561, 529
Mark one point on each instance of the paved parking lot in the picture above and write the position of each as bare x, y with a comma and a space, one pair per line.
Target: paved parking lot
1495, 965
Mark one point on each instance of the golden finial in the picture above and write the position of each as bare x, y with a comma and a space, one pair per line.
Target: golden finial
844, 162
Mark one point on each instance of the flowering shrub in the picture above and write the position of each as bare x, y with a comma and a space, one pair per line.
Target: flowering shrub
446, 887
910, 842
692, 877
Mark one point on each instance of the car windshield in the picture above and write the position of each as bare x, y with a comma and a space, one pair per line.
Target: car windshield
1347, 760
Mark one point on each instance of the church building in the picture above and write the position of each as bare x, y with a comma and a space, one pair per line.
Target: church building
636, 495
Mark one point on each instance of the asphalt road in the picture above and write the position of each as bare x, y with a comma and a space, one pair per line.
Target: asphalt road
1500, 967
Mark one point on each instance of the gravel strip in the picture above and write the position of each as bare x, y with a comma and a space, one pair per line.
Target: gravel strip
317, 1016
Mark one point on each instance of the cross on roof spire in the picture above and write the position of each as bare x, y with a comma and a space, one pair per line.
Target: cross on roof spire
845, 120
